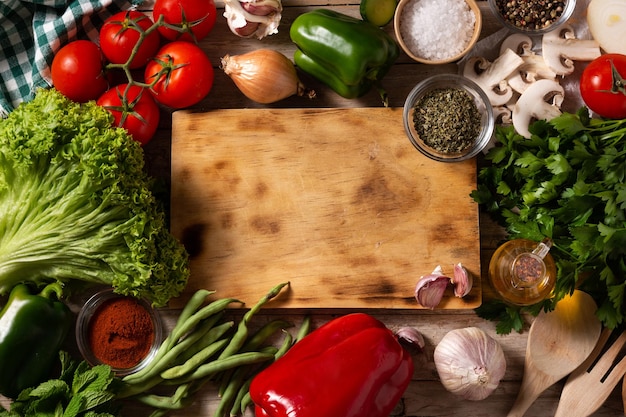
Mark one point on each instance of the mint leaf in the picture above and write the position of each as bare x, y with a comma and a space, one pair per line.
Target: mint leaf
75, 406
96, 378
51, 388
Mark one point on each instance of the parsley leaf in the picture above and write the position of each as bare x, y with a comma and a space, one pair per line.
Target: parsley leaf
567, 183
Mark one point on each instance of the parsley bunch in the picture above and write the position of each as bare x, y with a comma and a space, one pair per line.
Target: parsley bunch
566, 182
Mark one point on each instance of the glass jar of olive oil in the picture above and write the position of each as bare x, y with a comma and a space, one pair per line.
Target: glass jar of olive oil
522, 271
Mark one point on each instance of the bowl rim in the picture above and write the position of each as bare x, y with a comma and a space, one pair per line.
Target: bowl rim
568, 11
454, 80
82, 324
472, 42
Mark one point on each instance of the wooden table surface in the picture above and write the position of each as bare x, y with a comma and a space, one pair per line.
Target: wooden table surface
425, 395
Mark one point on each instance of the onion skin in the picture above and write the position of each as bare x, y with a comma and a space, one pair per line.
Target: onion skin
264, 76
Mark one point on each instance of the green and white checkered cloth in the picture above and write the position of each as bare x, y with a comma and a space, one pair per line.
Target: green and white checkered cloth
32, 31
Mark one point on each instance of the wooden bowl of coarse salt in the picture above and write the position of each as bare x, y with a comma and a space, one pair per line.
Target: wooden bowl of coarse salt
437, 31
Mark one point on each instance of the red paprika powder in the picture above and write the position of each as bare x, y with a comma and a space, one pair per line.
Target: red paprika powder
121, 332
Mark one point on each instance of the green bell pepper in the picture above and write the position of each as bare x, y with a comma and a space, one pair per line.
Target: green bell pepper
347, 54
33, 328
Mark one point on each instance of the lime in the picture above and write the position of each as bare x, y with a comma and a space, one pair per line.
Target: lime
378, 12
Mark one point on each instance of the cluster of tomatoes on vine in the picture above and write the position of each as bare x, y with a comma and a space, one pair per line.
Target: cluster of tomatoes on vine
173, 71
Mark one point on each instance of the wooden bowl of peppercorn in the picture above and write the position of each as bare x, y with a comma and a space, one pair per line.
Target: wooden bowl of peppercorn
532, 17
448, 118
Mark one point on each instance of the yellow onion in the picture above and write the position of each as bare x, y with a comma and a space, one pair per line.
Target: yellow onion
264, 75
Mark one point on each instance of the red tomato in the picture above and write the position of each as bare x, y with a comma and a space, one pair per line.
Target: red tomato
121, 32
78, 71
195, 18
180, 75
138, 113
603, 86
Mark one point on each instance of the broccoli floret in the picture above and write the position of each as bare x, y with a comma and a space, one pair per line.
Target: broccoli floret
77, 204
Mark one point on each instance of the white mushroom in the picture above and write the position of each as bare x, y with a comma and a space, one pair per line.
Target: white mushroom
519, 43
502, 114
491, 76
534, 67
541, 101
560, 49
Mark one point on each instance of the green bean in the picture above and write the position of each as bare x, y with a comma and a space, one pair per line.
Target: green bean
195, 361
192, 305
287, 343
305, 327
235, 410
253, 343
246, 401
174, 402
210, 337
221, 365
241, 334
180, 328
229, 394
264, 333
226, 377
165, 358
206, 311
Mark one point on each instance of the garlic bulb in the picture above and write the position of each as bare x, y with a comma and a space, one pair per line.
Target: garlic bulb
264, 75
470, 363
430, 288
248, 18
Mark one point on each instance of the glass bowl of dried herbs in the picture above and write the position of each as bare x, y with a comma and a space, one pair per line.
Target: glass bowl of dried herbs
532, 17
448, 118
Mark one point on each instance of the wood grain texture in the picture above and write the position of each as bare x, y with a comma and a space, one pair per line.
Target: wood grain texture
337, 202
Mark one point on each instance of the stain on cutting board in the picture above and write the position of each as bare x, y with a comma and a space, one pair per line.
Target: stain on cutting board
335, 201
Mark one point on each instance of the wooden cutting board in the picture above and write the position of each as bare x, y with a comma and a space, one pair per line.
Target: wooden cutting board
335, 201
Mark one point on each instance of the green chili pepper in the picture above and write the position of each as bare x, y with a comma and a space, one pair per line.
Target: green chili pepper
32, 329
347, 54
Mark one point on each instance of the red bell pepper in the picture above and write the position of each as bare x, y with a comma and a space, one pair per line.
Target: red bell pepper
352, 366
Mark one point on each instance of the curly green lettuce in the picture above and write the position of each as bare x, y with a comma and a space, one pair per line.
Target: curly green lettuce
76, 204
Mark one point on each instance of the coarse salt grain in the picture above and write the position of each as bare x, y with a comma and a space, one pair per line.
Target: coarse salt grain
437, 29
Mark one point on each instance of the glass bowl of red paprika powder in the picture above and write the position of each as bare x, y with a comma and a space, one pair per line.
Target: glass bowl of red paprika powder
120, 331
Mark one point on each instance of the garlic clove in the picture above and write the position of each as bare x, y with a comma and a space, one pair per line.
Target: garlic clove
430, 288
262, 7
411, 337
248, 18
462, 281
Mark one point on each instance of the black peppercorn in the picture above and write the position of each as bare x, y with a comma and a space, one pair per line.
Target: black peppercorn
530, 14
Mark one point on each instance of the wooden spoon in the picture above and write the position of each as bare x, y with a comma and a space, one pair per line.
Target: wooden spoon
558, 342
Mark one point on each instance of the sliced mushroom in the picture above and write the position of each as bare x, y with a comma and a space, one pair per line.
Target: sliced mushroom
491, 76
560, 48
519, 43
541, 101
534, 67
502, 115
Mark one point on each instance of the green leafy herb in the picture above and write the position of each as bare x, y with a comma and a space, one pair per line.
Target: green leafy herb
80, 391
566, 182
76, 204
